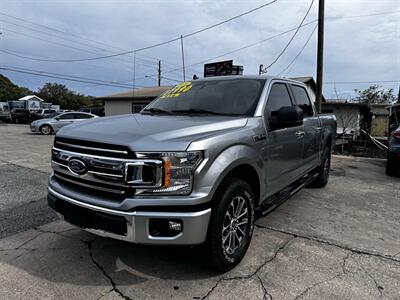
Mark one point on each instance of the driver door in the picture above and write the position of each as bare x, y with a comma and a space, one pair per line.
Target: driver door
284, 149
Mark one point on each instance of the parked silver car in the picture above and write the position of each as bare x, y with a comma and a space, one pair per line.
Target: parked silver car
53, 124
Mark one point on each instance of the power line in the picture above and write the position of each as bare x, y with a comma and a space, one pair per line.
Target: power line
265, 40
301, 51
244, 47
68, 78
293, 36
170, 79
77, 37
361, 16
60, 31
168, 41
355, 82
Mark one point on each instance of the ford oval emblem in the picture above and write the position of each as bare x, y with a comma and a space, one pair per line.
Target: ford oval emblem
77, 166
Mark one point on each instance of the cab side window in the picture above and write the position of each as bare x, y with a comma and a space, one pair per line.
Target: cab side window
302, 100
278, 97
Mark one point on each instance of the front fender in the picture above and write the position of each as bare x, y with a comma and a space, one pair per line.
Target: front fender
213, 170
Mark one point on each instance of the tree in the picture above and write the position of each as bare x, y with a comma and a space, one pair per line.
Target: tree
10, 91
61, 95
375, 95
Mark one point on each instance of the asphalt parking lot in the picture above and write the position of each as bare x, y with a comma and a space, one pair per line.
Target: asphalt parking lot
339, 242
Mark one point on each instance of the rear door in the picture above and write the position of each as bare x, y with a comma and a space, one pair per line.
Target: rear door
284, 145
311, 128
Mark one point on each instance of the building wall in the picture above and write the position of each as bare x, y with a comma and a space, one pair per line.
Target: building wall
120, 107
348, 117
117, 107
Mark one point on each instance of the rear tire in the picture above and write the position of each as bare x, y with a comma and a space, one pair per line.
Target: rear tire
45, 129
323, 170
231, 224
392, 168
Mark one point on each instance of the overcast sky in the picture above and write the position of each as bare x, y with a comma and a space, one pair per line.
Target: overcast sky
365, 48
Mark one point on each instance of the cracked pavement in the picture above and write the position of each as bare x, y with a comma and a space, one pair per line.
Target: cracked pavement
340, 242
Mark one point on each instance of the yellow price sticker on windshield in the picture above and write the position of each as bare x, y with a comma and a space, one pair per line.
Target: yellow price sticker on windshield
178, 90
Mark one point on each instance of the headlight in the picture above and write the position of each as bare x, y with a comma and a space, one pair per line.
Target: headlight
178, 171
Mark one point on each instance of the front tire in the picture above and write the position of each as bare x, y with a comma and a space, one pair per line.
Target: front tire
45, 129
323, 170
231, 225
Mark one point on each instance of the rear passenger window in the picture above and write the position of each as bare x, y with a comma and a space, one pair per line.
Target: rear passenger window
278, 97
302, 100
82, 116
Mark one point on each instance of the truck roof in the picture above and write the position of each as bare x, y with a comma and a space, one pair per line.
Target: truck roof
232, 77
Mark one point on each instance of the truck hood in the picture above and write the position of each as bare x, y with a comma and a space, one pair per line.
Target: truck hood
151, 132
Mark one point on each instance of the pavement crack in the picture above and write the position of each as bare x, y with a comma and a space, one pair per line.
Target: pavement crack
267, 295
330, 243
212, 288
102, 296
377, 285
27, 241
108, 276
251, 275
303, 293
60, 233
349, 254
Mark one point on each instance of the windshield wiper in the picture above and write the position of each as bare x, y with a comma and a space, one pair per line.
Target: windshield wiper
156, 110
200, 111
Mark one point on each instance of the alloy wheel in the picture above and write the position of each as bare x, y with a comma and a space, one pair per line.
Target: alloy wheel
235, 225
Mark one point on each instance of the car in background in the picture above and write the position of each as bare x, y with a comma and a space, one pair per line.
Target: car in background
20, 115
393, 158
5, 115
58, 120
43, 114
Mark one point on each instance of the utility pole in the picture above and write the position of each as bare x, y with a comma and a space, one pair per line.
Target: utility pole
320, 54
159, 72
183, 60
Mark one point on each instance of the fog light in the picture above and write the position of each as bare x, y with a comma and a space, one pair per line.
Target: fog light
175, 225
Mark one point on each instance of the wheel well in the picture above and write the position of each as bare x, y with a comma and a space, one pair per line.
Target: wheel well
328, 142
248, 174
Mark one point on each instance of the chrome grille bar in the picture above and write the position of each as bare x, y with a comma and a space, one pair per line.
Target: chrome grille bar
92, 148
115, 191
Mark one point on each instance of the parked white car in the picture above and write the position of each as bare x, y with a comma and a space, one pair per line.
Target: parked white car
54, 123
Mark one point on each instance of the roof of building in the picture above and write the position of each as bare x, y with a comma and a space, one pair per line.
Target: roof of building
31, 97
146, 92
308, 80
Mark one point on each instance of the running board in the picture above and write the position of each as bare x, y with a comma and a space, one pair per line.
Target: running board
277, 199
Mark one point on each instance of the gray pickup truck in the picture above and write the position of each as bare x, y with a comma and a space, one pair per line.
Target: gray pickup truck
195, 166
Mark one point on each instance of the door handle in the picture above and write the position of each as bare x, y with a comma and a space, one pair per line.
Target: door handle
300, 134
317, 129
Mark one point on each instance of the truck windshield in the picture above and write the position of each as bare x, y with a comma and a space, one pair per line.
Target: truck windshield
231, 97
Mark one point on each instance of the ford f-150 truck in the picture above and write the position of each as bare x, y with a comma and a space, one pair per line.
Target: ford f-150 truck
195, 165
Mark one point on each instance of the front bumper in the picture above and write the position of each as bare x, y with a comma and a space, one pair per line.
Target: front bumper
34, 128
131, 226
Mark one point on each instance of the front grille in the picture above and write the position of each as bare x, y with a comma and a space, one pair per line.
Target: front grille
110, 172
93, 148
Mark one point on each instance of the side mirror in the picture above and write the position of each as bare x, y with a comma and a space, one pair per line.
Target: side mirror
57, 118
287, 116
